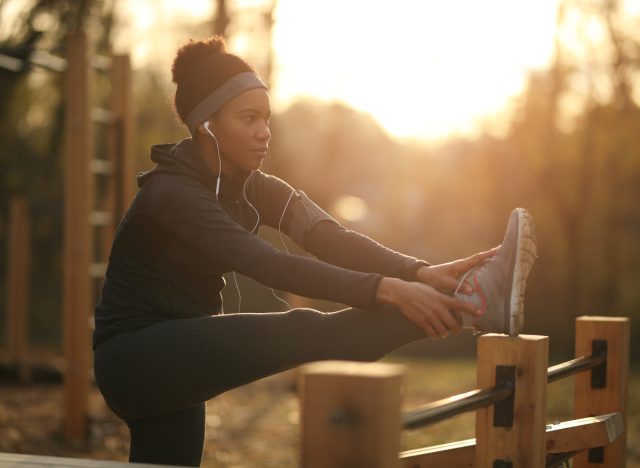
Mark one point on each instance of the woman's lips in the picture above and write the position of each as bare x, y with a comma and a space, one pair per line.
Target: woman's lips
262, 152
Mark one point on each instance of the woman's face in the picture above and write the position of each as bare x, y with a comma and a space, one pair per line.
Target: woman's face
242, 129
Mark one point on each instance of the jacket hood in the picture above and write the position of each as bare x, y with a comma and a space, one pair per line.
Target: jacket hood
184, 158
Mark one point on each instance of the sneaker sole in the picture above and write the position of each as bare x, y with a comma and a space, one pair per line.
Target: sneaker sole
526, 251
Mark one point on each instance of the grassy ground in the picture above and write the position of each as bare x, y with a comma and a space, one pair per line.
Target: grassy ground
256, 426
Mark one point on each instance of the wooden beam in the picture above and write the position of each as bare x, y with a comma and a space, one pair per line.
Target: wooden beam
567, 436
603, 390
584, 433
78, 250
16, 460
18, 268
123, 156
350, 415
521, 440
459, 454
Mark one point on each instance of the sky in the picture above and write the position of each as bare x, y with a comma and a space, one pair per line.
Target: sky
424, 69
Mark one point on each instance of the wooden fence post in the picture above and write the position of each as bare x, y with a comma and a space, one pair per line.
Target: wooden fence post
512, 433
351, 415
19, 260
605, 388
122, 106
78, 249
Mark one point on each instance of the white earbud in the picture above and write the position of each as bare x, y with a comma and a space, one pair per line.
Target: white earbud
205, 125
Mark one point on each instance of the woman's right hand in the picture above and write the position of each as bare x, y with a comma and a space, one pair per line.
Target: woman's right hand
434, 312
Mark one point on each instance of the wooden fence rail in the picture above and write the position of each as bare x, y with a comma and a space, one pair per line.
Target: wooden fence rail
351, 412
440, 410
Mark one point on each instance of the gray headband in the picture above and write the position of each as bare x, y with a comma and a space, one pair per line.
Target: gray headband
213, 102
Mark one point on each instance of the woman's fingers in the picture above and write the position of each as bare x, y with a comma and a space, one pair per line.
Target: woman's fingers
478, 258
448, 320
463, 306
449, 283
439, 317
429, 327
446, 277
427, 319
436, 314
469, 263
430, 331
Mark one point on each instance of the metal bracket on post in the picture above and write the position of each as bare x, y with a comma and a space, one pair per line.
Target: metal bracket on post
503, 410
599, 373
598, 380
502, 464
596, 455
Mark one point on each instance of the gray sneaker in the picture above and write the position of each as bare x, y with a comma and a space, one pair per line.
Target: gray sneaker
499, 283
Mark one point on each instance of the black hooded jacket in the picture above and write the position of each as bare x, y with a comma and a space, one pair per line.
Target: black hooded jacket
177, 240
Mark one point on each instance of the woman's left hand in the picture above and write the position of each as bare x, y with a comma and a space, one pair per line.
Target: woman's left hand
446, 276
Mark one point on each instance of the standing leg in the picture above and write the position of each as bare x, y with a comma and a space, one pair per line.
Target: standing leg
170, 439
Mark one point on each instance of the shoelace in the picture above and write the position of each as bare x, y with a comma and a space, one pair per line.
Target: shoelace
483, 266
462, 280
474, 289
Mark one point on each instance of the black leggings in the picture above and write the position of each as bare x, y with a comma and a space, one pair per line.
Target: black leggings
157, 379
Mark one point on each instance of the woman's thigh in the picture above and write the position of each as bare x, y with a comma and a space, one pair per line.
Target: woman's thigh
176, 364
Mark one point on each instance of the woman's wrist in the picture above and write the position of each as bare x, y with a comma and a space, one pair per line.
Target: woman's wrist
416, 268
423, 274
386, 293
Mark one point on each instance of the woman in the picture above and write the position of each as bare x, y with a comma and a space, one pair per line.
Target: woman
162, 344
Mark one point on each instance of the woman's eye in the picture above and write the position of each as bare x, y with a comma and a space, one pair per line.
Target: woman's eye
249, 118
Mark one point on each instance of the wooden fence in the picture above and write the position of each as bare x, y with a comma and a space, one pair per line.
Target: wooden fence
351, 412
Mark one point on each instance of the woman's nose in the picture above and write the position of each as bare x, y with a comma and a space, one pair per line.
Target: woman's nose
264, 133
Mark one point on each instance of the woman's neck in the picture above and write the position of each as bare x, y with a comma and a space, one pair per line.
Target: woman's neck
208, 151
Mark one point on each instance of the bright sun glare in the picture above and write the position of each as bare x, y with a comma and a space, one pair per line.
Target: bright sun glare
423, 69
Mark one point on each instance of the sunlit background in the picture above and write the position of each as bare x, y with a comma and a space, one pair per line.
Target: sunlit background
420, 123
423, 69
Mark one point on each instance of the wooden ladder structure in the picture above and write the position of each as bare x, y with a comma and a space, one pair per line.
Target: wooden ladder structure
90, 217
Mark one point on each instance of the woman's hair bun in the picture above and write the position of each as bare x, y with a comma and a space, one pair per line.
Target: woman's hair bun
193, 52
201, 67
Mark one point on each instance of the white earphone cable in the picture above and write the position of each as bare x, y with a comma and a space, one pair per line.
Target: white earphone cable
206, 127
244, 194
284, 245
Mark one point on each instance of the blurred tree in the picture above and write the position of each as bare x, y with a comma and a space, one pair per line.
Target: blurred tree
248, 29
621, 128
221, 19
31, 120
582, 166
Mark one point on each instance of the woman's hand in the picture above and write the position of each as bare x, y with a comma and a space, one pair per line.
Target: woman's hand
445, 277
434, 312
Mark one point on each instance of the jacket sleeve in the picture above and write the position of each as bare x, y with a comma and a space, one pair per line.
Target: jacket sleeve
319, 234
197, 217
337, 245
